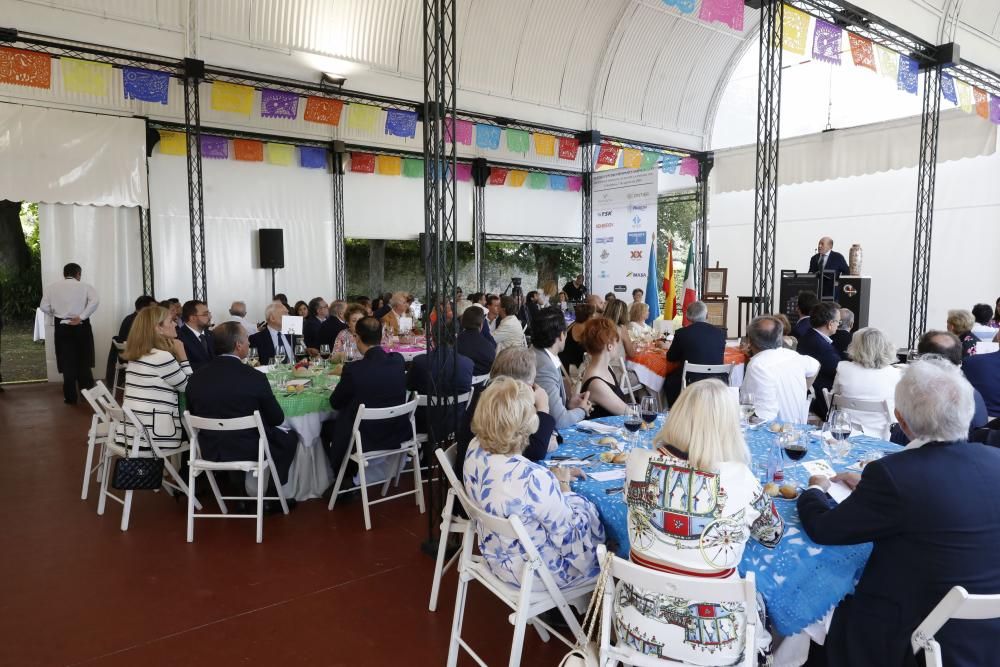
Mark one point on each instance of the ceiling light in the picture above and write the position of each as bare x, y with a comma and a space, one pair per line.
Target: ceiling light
332, 80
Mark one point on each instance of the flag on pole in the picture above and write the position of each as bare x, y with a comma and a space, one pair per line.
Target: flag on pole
652, 277
689, 294
669, 289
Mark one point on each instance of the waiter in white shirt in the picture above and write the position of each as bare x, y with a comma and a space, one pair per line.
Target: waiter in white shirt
71, 303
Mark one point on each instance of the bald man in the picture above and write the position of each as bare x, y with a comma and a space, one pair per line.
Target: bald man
826, 259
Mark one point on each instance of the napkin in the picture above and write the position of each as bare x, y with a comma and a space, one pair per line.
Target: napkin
607, 475
596, 427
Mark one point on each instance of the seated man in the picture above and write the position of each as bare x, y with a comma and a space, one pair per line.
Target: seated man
439, 370
319, 312
698, 343
548, 340
806, 301
843, 335
509, 332
225, 388
238, 313
195, 336
983, 371
929, 533
123, 331
472, 344
377, 380
818, 344
333, 324
270, 339
398, 307
777, 378
492, 315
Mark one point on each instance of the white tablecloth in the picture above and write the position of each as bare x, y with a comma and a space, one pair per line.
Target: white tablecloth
654, 382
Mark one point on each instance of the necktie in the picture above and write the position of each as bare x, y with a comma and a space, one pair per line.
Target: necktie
204, 342
822, 263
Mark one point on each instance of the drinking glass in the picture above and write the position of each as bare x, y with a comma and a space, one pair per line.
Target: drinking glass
827, 440
324, 351
633, 421
746, 408
300, 350
650, 408
840, 428
279, 358
253, 358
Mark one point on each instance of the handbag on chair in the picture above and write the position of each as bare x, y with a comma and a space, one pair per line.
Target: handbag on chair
588, 654
138, 474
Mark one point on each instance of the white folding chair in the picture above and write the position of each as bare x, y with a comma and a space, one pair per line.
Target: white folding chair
102, 430
624, 381
705, 591
525, 602
957, 603
120, 367
142, 446
259, 468
879, 408
706, 369
449, 522
422, 400
479, 379
362, 458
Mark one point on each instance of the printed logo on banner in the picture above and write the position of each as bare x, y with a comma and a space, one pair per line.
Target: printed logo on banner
637, 238
637, 221
603, 214
605, 255
635, 274
603, 274
635, 255
604, 225
607, 239
637, 207
621, 288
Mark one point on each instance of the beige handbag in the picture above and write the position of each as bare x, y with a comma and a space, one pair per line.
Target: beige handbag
588, 654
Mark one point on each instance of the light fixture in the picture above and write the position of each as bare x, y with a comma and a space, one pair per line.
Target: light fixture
332, 80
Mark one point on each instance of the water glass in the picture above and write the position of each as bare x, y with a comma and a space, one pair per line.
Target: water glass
746, 408
279, 358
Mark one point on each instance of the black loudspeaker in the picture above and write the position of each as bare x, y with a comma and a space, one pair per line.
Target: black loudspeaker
272, 248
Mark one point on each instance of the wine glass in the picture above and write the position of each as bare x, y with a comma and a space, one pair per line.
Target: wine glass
840, 428
253, 358
300, 351
649, 409
746, 408
633, 421
827, 440
279, 357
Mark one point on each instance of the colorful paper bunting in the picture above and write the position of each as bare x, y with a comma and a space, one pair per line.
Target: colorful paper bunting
282, 155
995, 109
795, 30
487, 136
690, 167
85, 77
278, 104
323, 110
729, 12
363, 163
145, 85
172, 143
463, 171
574, 183
981, 100
649, 159
608, 154
497, 176
232, 97
463, 131
558, 182
518, 141
362, 117
537, 180
413, 167
948, 88
312, 157
568, 147
631, 158
861, 51
683, 6
214, 147
25, 68
907, 78
387, 165
826, 42
545, 144
401, 123
517, 178
670, 164
248, 150
964, 96
888, 62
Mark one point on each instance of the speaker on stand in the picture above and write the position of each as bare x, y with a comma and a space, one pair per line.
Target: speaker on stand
271, 246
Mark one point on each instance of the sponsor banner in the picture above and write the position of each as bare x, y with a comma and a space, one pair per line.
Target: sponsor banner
637, 238
623, 228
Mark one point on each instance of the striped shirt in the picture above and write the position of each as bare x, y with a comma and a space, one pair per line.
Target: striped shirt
152, 384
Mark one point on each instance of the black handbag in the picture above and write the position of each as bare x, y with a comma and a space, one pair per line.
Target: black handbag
138, 474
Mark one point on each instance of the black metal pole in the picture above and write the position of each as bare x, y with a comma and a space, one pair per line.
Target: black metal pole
194, 71
339, 256
705, 164
590, 143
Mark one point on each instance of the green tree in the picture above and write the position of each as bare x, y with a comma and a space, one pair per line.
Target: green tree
20, 260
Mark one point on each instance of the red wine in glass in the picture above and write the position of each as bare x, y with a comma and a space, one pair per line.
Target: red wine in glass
795, 452
649, 417
633, 426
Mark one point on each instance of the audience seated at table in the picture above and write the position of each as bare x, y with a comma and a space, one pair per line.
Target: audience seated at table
381, 305
700, 455
806, 301
816, 343
548, 340
930, 512
319, 312
697, 343
572, 353
301, 309
960, 323
377, 380
334, 324
841, 338
597, 302
638, 313
226, 388
562, 301
473, 344
982, 314
366, 303
778, 379
271, 338
238, 313
397, 309
617, 312
869, 376
509, 332
787, 341
983, 371
600, 338
441, 369
173, 304
345, 346
142, 302
564, 526
492, 311
157, 369
195, 336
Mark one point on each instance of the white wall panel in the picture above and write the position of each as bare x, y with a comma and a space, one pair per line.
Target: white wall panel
392, 207
532, 212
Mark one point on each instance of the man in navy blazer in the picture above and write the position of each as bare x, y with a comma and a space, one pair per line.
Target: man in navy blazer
473, 344
698, 343
806, 300
983, 371
818, 344
932, 516
377, 380
271, 337
455, 378
194, 333
830, 262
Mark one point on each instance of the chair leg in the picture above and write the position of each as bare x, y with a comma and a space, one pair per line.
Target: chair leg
418, 483
180, 482
336, 485
105, 471
126, 511
456, 621
261, 482
91, 441
395, 467
215, 489
520, 624
277, 486
190, 502
442, 548
362, 464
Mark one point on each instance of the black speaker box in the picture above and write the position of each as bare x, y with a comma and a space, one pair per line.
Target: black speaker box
272, 248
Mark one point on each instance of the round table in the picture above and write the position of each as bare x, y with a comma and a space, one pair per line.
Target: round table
801, 581
652, 368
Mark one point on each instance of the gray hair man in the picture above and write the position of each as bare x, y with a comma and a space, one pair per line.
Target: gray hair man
841, 338
697, 311
697, 343
238, 313
777, 379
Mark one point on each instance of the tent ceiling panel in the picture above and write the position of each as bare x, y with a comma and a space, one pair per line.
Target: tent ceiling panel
542, 58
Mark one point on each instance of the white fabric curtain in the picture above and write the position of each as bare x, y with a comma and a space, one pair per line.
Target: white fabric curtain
104, 241
392, 207
240, 198
66, 157
533, 212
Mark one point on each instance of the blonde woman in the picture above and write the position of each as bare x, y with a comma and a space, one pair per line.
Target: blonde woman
157, 370
696, 485
960, 323
637, 314
869, 376
563, 526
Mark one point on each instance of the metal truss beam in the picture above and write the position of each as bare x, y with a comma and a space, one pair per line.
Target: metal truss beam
480, 176
196, 203
590, 144
542, 240
146, 250
701, 223
339, 254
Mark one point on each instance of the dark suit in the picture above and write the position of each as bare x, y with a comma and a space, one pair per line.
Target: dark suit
472, 344
699, 343
979, 419
455, 378
935, 523
812, 344
329, 329
378, 380
836, 263
983, 372
310, 331
198, 353
225, 388
265, 346
800, 328
841, 339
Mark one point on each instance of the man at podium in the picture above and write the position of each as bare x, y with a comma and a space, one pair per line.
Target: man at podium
826, 259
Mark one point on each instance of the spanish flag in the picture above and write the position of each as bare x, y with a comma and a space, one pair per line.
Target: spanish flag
669, 289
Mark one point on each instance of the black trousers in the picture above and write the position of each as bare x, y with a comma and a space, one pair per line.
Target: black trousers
74, 357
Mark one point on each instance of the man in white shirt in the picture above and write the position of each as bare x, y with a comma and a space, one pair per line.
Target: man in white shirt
71, 303
509, 331
238, 313
778, 379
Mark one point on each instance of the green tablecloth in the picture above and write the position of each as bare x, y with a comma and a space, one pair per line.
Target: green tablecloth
298, 404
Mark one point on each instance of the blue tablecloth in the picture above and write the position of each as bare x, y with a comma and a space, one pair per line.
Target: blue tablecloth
800, 580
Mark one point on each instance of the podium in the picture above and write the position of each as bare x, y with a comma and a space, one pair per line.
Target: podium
851, 292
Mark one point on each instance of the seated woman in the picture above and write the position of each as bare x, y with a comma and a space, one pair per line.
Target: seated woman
345, 348
563, 301
572, 353
617, 311
600, 339
637, 327
960, 323
301, 309
157, 369
787, 341
563, 526
870, 376
699, 478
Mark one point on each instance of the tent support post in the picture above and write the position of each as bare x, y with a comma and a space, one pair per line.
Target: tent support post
705, 163
590, 144
194, 71
480, 176
146, 249
337, 151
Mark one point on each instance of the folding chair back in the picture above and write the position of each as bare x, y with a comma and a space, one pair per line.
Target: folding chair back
624, 381
879, 408
450, 523
102, 430
957, 603
480, 379
705, 369
120, 366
